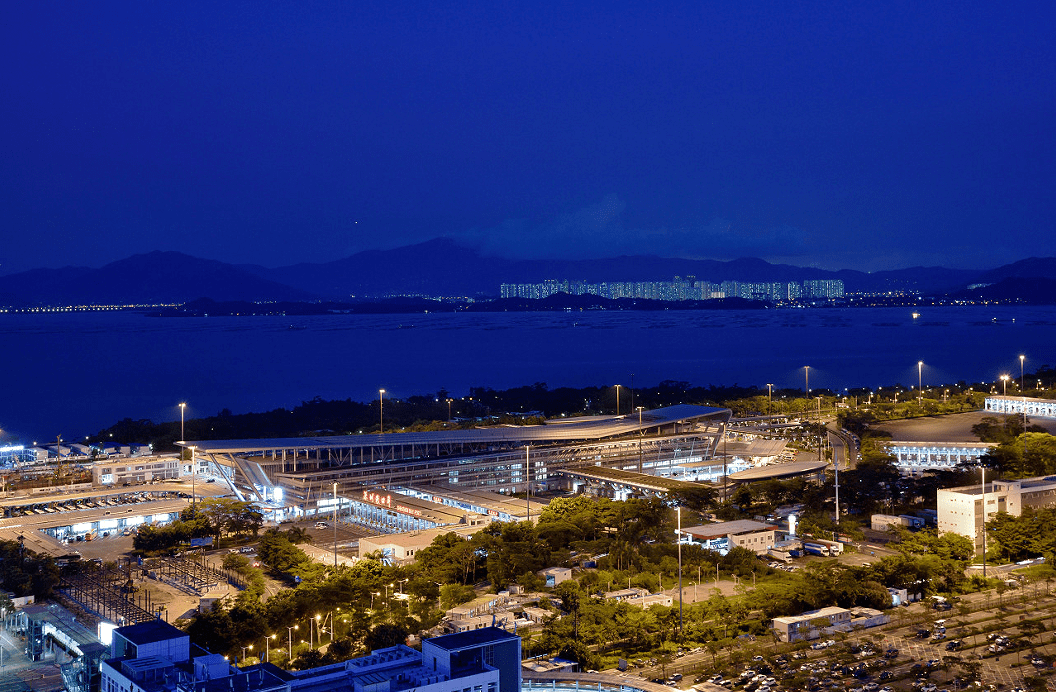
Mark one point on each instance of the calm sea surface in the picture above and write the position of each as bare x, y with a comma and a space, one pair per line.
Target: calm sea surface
73, 374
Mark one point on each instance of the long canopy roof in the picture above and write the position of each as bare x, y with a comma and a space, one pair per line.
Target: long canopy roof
568, 430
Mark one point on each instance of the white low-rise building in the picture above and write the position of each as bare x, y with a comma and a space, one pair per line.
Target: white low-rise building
815, 623
964, 510
746, 533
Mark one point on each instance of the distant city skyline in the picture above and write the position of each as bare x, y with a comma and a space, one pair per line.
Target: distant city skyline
857, 136
679, 289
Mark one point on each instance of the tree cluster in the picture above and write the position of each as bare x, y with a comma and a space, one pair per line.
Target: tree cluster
1031, 534
214, 517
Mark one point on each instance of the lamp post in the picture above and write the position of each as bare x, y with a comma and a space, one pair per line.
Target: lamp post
289, 637
1021, 393
920, 383
769, 399
528, 480
449, 400
983, 469
193, 475
1004, 385
250, 647
640, 435
381, 411
335, 524
806, 379
267, 647
678, 537
183, 405
617, 400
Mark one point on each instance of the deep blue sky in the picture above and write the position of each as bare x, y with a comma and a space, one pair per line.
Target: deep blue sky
844, 134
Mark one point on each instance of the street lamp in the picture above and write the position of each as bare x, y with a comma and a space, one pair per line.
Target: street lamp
806, 378
1022, 394
769, 399
182, 407
617, 400
381, 411
289, 637
679, 539
983, 470
920, 383
1004, 385
193, 474
641, 433
267, 647
335, 524
250, 647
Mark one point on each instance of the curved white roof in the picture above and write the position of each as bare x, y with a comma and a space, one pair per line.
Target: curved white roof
570, 430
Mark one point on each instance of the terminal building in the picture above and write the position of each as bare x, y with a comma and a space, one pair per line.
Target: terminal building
416, 481
915, 458
966, 509
1039, 408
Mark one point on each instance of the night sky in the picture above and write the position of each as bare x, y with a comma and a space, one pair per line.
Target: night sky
837, 135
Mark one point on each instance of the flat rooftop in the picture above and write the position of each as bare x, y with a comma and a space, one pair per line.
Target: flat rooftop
514, 506
629, 478
787, 470
462, 640
753, 448
149, 632
954, 427
728, 528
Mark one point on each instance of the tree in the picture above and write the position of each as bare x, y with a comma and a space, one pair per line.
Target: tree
277, 552
386, 635
452, 595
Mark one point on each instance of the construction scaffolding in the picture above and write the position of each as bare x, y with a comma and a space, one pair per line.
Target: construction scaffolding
110, 595
190, 574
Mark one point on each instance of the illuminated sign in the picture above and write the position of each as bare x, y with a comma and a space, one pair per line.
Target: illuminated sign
408, 510
377, 498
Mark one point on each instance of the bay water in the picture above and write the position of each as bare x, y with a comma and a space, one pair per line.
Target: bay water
75, 373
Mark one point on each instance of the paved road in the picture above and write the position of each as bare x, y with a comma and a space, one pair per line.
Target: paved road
843, 450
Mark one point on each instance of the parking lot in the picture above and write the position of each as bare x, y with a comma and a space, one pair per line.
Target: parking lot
1002, 641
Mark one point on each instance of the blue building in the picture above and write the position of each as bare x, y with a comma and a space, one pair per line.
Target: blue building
157, 657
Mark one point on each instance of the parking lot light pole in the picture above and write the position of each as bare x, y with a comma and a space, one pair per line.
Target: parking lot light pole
335, 524
920, 383
678, 537
193, 475
381, 411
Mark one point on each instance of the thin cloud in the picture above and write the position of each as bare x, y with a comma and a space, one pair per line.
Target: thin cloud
598, 231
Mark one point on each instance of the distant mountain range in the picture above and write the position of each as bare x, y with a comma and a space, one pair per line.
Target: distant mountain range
441, 267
